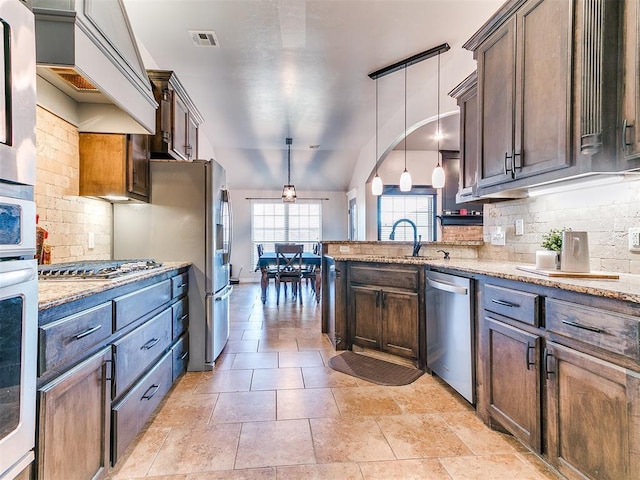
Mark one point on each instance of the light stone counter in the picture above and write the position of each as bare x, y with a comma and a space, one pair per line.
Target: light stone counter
626, 288
52, 293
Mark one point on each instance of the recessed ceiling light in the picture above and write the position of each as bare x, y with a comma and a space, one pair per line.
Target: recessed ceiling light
314, 147
204, 38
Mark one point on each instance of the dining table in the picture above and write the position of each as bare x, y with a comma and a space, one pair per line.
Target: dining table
268, 261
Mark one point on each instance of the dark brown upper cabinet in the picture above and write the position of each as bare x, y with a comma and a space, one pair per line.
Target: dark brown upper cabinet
548, 93
177, 119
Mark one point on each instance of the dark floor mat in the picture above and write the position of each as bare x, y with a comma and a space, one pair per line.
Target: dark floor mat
373, 370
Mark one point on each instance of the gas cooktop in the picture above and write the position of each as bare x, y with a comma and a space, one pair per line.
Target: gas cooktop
94, 270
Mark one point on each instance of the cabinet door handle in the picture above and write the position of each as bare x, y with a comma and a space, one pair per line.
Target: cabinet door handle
108, 368
150, 344
528, 356
153, 389
184, 317
626, 126
547, 370
506, 168
514, 166
504, 303
88, 332
584, 327
378, 298
184, 355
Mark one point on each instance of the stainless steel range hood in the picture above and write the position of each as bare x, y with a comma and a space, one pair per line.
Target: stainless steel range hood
86, 50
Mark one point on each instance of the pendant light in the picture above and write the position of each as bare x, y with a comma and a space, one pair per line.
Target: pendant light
289, 191
405, 178
376, 184
437, 177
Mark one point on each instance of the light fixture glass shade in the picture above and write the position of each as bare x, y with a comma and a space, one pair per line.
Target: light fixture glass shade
405, 181
437, 177
289, 194
376, 186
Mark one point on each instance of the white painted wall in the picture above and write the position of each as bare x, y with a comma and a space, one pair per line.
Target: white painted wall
334, 224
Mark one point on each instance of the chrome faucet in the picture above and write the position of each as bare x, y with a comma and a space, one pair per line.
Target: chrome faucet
416, 238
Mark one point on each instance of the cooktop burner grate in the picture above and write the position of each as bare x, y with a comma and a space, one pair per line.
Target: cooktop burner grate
94, 270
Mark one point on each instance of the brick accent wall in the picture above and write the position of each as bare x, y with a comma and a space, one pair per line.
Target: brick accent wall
458, 233
605, 212
68, 218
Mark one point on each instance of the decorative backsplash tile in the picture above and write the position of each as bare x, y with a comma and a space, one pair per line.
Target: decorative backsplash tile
605, 212
68, 218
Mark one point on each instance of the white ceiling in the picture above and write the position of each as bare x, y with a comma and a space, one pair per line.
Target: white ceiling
296, 68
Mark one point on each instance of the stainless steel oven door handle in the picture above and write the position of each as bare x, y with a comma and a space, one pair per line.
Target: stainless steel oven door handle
447, 287
16, 277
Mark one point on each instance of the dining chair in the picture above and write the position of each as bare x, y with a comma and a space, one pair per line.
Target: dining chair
289, 268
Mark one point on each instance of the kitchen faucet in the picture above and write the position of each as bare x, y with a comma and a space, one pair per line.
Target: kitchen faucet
416, 238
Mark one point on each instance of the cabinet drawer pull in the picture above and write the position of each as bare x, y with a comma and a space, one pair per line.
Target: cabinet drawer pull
528, 356
504, 304
149, 396
184, 355
182, 285
547, 370
184, 317
88, 332
150, 344
584, 327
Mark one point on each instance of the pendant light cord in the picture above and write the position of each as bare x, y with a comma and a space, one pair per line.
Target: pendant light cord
438, 133
376, 127
289, 166
405, 117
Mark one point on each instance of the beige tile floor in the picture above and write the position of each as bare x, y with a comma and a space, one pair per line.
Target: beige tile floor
272, 409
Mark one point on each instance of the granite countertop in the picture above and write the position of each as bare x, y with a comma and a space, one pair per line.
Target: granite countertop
626, 288
52, 293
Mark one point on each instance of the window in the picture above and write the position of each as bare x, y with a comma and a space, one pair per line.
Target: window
273, 222
418, 205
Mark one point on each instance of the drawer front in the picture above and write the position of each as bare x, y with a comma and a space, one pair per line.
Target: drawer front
180, 353
393, 277
521, 306
180, 311
137, 350
179, 285
614, 332
130, 414
64, 340
135, 305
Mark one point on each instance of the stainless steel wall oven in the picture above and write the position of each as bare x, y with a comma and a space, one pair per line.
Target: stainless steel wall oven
18, 343
18, 268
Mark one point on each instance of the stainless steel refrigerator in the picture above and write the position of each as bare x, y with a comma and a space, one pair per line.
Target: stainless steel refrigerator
188, 219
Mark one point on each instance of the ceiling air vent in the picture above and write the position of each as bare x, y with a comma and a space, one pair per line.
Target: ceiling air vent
204, 38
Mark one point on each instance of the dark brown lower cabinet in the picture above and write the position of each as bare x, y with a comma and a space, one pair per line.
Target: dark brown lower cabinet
74, 422
512, 380
386, 320
593, 416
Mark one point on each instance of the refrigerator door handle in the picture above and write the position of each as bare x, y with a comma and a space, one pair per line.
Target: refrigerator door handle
230, 225
225, 294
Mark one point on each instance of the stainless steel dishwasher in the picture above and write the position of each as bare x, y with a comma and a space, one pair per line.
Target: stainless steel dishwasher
449, 300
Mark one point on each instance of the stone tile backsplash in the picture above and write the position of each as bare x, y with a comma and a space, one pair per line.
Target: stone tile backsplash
68, 218
605, 212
